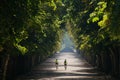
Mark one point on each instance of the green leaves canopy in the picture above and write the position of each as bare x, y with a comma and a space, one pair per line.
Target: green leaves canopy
31, 26
94, 24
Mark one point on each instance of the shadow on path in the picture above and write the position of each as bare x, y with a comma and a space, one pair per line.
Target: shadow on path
77, 68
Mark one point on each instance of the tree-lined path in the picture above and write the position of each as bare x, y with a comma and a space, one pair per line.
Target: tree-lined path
33, 30
77, 69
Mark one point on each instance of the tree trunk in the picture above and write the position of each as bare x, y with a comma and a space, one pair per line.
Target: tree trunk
5, 66
114, 62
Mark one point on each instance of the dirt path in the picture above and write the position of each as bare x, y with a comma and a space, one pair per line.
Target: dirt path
77, 69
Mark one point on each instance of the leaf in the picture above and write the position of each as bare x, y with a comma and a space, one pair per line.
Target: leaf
22, 49
103, 23
95, 19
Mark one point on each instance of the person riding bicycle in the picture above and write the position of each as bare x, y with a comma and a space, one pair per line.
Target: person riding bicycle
56, 62
65, 62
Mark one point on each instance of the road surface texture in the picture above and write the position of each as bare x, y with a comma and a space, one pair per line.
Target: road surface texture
77, 68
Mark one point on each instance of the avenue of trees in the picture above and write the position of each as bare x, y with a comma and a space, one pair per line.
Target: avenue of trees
29, 33
95, 27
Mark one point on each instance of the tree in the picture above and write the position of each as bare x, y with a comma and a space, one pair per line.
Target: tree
95, 27
29, 27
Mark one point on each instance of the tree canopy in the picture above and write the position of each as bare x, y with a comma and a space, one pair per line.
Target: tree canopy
30, 26
94, 24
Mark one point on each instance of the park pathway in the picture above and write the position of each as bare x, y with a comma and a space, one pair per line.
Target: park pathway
77, 69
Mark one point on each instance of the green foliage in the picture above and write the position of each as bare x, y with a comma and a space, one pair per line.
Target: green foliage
31, 26
97, 14
95, 19
104, 22
94, 24
22, 49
